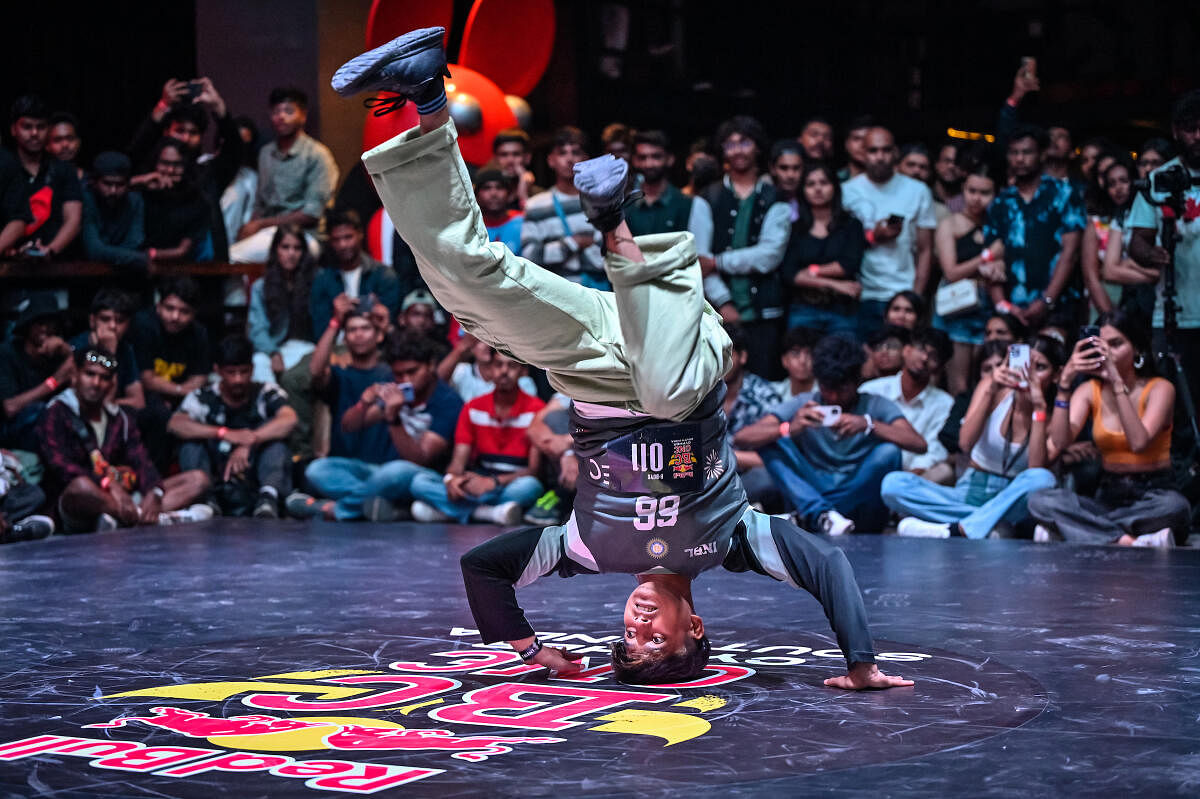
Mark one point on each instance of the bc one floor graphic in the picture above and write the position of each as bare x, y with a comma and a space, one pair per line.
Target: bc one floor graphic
240, 659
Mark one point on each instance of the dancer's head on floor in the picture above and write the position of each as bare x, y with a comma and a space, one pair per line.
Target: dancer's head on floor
663, 638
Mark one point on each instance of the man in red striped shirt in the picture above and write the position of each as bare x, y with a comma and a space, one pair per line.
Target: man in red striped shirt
491, 474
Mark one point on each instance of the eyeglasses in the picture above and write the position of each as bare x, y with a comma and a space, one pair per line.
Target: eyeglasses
738, 144
97, 358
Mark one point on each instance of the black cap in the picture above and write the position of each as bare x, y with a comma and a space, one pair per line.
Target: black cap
31, 306
110, 162
491, 175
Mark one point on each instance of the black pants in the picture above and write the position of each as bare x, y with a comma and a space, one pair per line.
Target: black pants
270, 467
763, 339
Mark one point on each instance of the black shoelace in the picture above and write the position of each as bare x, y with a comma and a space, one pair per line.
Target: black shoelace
384, 105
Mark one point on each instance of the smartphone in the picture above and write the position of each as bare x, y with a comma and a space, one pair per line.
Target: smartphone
830, 414
194, 89
1029, 66
1018, 360
407, 390
895, 219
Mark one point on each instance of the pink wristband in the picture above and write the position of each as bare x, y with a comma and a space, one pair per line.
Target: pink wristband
986, 256
51, 383
814, 270
785, 429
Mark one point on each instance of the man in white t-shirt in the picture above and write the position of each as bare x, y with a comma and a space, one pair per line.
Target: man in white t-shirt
897, 214
1145, 220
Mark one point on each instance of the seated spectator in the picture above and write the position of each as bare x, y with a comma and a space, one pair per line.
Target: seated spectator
1131, 413
947, 183
550, 434
14, 210
797, 349
279, 323
178, 224
1005, 431
349, 272
35, 364
467, 367
964, 253
824, 252
63, 140
883, 351
172, 350
906, 309
923, 404
491, 473
108, 323
50, 188
829, 463
414, 411
512, 152
556, 233
991, 355
1004, 327
19, 502
296, 179
234, 432
493, 192
114, 218
96, 464
748, 398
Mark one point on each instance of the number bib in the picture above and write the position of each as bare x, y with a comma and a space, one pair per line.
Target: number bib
657, 459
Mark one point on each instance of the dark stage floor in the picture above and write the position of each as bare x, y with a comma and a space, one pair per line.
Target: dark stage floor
292, 659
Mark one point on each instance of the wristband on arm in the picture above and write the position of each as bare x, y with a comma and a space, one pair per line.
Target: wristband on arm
870, 236
51, 383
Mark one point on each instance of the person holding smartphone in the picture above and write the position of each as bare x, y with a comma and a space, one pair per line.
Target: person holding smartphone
1131, 412
1004, 430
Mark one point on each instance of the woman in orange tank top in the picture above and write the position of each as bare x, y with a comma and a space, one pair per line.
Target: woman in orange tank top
1131, 410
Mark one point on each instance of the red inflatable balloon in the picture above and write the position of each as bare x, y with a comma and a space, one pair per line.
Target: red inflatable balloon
377, 130
477, 147
510, 41
390, 18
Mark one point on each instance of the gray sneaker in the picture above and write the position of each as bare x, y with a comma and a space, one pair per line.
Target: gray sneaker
411, 65
30, 528
602, 182
382, 509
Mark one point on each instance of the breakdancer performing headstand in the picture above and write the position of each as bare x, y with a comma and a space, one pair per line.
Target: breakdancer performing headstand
658, 493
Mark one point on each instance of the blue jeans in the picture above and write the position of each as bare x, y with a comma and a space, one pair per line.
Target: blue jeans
978, 502
854, 494
823, 319
352, 482
429, 488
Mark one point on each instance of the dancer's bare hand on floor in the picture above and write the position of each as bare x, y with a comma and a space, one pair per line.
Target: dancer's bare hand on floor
866, 677
558, 660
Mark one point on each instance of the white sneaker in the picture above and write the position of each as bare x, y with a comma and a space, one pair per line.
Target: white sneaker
106, 522
1162, 539
1042, 535
833, 523
505, 514
200, 512
912, 527
424, 512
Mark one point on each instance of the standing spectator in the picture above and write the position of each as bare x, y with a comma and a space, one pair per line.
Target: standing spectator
1131, 414
512, 153
419, 413
296, 179
964, 252
35, 364
51, 188
1092, 155
96, 464
914, 161
923, 404
178, 223
493, 192
797, 348
749, 241
947, 181
830, 473
1005, 431
823, 256
114, 218
816, 137
350, 272
279, 323
1153, 154
237, 198
556, 233
1058, 154
172, 350
785, 165
1108, 200
234, 432
1145, 224
108, 323
855, 146
663, 208
491, 473
897, 214
748, 398
1039, 220
617, 140
63, 141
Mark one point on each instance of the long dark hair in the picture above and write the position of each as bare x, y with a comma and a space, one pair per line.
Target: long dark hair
838, 213
1135, 328
1055, 353
288, 306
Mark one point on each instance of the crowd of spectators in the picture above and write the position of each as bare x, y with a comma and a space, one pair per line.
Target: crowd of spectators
957, 340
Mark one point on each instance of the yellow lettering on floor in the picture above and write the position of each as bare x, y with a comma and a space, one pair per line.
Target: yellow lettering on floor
672, 727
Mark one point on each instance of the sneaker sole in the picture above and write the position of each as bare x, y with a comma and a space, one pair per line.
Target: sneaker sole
358, 72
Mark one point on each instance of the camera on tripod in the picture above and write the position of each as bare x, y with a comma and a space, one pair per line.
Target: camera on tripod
1174, 179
